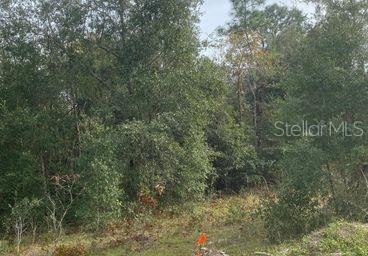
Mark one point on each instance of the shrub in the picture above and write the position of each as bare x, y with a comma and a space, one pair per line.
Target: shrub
299, 207
234, 158
100, 176
155, 155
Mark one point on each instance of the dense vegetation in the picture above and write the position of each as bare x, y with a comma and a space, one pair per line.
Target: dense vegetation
108, 109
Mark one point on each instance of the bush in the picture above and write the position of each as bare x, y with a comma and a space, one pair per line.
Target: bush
101, 177
234, 158
156, 154
300, 205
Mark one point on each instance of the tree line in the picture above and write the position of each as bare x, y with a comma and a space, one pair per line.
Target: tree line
106, 106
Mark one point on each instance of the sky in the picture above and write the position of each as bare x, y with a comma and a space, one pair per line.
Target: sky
216, 13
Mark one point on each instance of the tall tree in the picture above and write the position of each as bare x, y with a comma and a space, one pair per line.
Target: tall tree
112, 92
326, 87
256, 61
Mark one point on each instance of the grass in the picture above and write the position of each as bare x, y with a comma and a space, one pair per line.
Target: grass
231, 225
339, 238
4, 247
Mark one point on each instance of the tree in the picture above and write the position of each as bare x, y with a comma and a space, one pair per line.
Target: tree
326, 87
256, 62
113, 92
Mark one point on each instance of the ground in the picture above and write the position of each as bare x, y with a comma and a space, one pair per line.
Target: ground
231, 224
338, 239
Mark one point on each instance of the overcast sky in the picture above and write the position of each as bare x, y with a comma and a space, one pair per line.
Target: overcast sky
217, 12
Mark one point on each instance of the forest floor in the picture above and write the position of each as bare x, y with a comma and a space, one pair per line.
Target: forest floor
231, 224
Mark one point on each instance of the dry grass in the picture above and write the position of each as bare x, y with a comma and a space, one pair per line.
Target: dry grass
229, 222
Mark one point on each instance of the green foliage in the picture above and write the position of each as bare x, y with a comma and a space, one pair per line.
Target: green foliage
4, 247
298, 207
102, 195
257, 62
326, 84
149, 155
24, 216
338, 238
17, 164
106, 106
234, 157
114, 93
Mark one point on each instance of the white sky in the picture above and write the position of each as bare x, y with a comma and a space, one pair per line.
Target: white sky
217, 13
